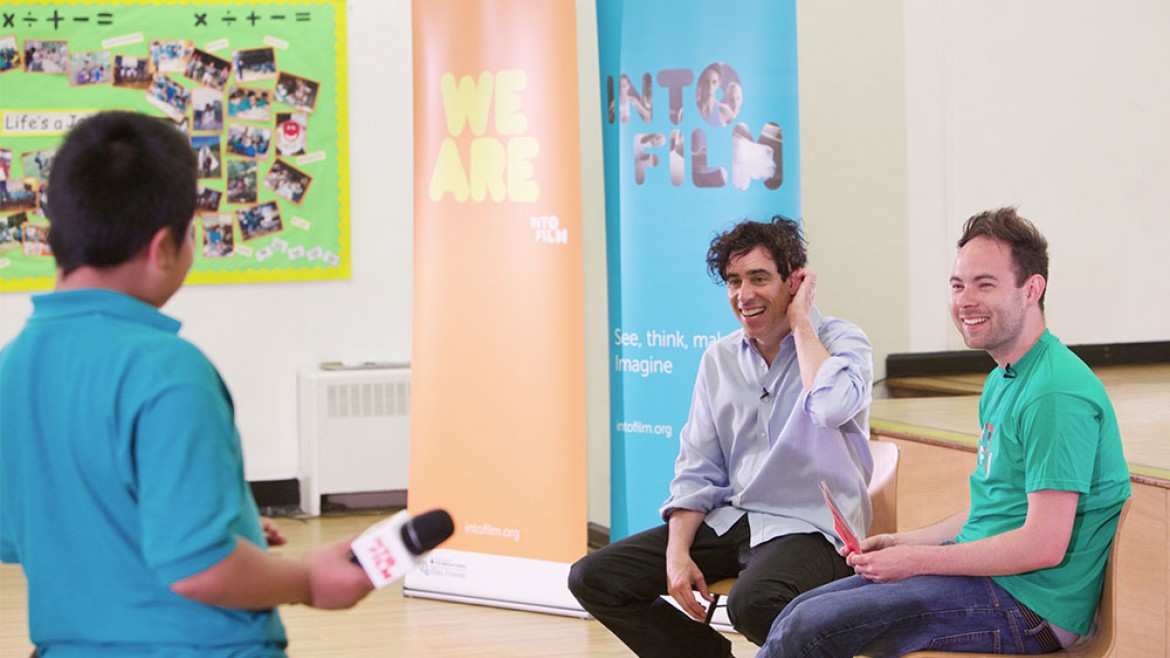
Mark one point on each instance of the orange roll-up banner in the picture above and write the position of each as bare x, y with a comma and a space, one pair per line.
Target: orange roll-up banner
498, 375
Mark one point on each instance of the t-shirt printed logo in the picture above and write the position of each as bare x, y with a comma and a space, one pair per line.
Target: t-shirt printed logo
985, 449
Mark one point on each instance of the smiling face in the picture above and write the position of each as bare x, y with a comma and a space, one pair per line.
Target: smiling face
759, 297
990, 310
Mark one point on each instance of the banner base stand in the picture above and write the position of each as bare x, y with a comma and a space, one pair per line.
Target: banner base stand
499, 581
498, 603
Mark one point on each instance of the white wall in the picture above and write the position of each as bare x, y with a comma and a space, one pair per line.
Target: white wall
260, 335
1060, 107
915, 114
853, 164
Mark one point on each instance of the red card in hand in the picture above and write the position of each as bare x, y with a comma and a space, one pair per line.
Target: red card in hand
840, 524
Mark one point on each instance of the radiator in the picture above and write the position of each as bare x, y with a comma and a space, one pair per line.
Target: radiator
354, 430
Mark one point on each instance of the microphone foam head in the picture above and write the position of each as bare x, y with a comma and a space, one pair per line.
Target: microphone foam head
427, 530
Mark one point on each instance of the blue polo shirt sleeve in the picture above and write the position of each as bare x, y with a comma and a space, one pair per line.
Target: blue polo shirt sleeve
7, 548
188, 470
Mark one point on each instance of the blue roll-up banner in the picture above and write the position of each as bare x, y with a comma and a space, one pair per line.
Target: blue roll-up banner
699, 123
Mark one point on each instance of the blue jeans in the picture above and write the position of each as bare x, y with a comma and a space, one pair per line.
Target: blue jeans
939, 613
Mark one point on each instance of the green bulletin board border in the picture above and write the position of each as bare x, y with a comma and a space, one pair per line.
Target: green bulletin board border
263, 273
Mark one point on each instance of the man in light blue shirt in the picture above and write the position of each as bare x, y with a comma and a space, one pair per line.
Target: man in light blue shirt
778, 407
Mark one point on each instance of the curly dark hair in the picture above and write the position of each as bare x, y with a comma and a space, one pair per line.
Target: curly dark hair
1029, 248
780, 237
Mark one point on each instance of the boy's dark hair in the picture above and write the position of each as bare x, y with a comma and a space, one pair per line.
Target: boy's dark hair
780, 237
1028, 246
117, 179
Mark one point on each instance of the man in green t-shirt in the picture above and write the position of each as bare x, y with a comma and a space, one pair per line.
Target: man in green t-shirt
1021, 570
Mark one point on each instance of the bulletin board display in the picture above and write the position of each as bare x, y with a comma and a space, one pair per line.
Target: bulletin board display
258, 89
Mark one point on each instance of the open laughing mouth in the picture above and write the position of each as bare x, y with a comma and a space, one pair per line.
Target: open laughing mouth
751, 312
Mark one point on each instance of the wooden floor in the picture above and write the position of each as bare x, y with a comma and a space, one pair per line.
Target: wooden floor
386, 623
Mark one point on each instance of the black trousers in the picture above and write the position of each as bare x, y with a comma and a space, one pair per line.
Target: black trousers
621, 586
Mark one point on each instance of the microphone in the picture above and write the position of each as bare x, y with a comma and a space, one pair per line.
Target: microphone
390, 548
765, 394
1008, 373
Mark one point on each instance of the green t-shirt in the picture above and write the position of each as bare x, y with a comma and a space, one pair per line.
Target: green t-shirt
1048, 424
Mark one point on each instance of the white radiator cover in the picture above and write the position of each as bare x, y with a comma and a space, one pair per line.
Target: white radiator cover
354, 432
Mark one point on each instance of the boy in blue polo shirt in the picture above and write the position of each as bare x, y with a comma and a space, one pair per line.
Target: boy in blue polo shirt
122, 490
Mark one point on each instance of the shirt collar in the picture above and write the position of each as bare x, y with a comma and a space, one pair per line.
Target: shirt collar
1032, 354
71, 303
786, 343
